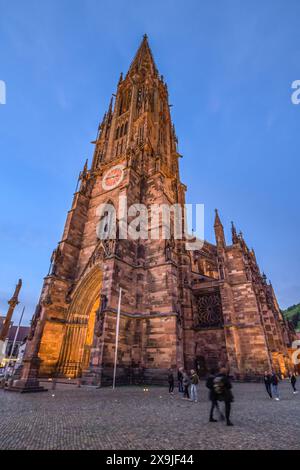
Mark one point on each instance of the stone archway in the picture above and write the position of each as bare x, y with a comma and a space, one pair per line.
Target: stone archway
79, 329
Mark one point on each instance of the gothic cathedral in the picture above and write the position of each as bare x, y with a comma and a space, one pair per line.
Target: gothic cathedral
198, 309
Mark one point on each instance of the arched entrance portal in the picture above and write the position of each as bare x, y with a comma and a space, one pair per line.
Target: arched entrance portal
79, 330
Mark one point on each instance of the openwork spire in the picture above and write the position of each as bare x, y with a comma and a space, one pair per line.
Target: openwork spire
143, 59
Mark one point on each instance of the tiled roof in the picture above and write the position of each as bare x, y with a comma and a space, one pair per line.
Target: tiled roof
23, 332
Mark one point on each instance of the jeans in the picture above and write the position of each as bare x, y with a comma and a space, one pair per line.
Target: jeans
194, 394
268, 388
215, 404
274, 389
171, 387
227, 411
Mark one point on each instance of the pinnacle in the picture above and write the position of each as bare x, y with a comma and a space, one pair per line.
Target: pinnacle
143, 57
234, 233
217, 218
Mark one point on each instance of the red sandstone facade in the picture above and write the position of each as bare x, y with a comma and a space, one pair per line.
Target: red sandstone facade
194, 308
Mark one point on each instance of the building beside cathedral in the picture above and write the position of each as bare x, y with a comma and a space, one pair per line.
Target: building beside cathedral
193, 308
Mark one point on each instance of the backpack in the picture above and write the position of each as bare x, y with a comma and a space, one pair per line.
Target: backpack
186, 381
210, 383
218, 386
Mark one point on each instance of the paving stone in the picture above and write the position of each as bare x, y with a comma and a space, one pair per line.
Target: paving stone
129, 418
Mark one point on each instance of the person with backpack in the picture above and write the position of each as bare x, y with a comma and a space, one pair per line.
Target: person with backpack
213, 398
186, 384
274, 386
267, 382
293, 382
171, 382
222, 389
194, 383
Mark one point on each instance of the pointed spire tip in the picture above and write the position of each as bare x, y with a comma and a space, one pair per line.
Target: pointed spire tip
217, 218
143, 56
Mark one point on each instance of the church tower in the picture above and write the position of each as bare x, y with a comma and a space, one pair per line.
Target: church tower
135, 162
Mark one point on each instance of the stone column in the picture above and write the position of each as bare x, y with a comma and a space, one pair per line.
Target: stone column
13, 302
31, 363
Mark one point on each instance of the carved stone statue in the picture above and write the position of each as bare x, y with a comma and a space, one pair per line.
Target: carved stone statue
179, 322
100, 315
84, 184
169, 248
34, 321
47, 300
109, 246
68, 294
96, 255
56, 258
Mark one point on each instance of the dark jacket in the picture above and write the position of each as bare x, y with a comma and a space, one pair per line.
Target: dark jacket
293, 379
267, 379
171, 378
179, 376
194, 379
210, 385
222, 388
186, 380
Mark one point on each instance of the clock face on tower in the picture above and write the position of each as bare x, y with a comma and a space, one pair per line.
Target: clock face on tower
113, 177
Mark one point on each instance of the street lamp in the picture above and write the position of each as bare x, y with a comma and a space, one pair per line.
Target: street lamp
13, 346
117, 337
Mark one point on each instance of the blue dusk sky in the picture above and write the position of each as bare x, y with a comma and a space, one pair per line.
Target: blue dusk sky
229, 66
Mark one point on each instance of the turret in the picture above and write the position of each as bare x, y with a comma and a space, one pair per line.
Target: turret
219, 231
235, 238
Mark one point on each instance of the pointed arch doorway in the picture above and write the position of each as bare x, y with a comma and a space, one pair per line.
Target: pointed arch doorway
80, 326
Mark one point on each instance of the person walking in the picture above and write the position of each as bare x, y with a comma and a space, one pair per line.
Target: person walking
293, 382
171, 382
222, 388
194, 384
213, 398
267, 382
274, 386
186, 384
180, 379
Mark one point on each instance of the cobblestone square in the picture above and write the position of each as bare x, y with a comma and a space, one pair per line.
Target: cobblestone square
129, 418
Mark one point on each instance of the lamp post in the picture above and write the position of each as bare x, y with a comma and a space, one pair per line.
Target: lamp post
117, 337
